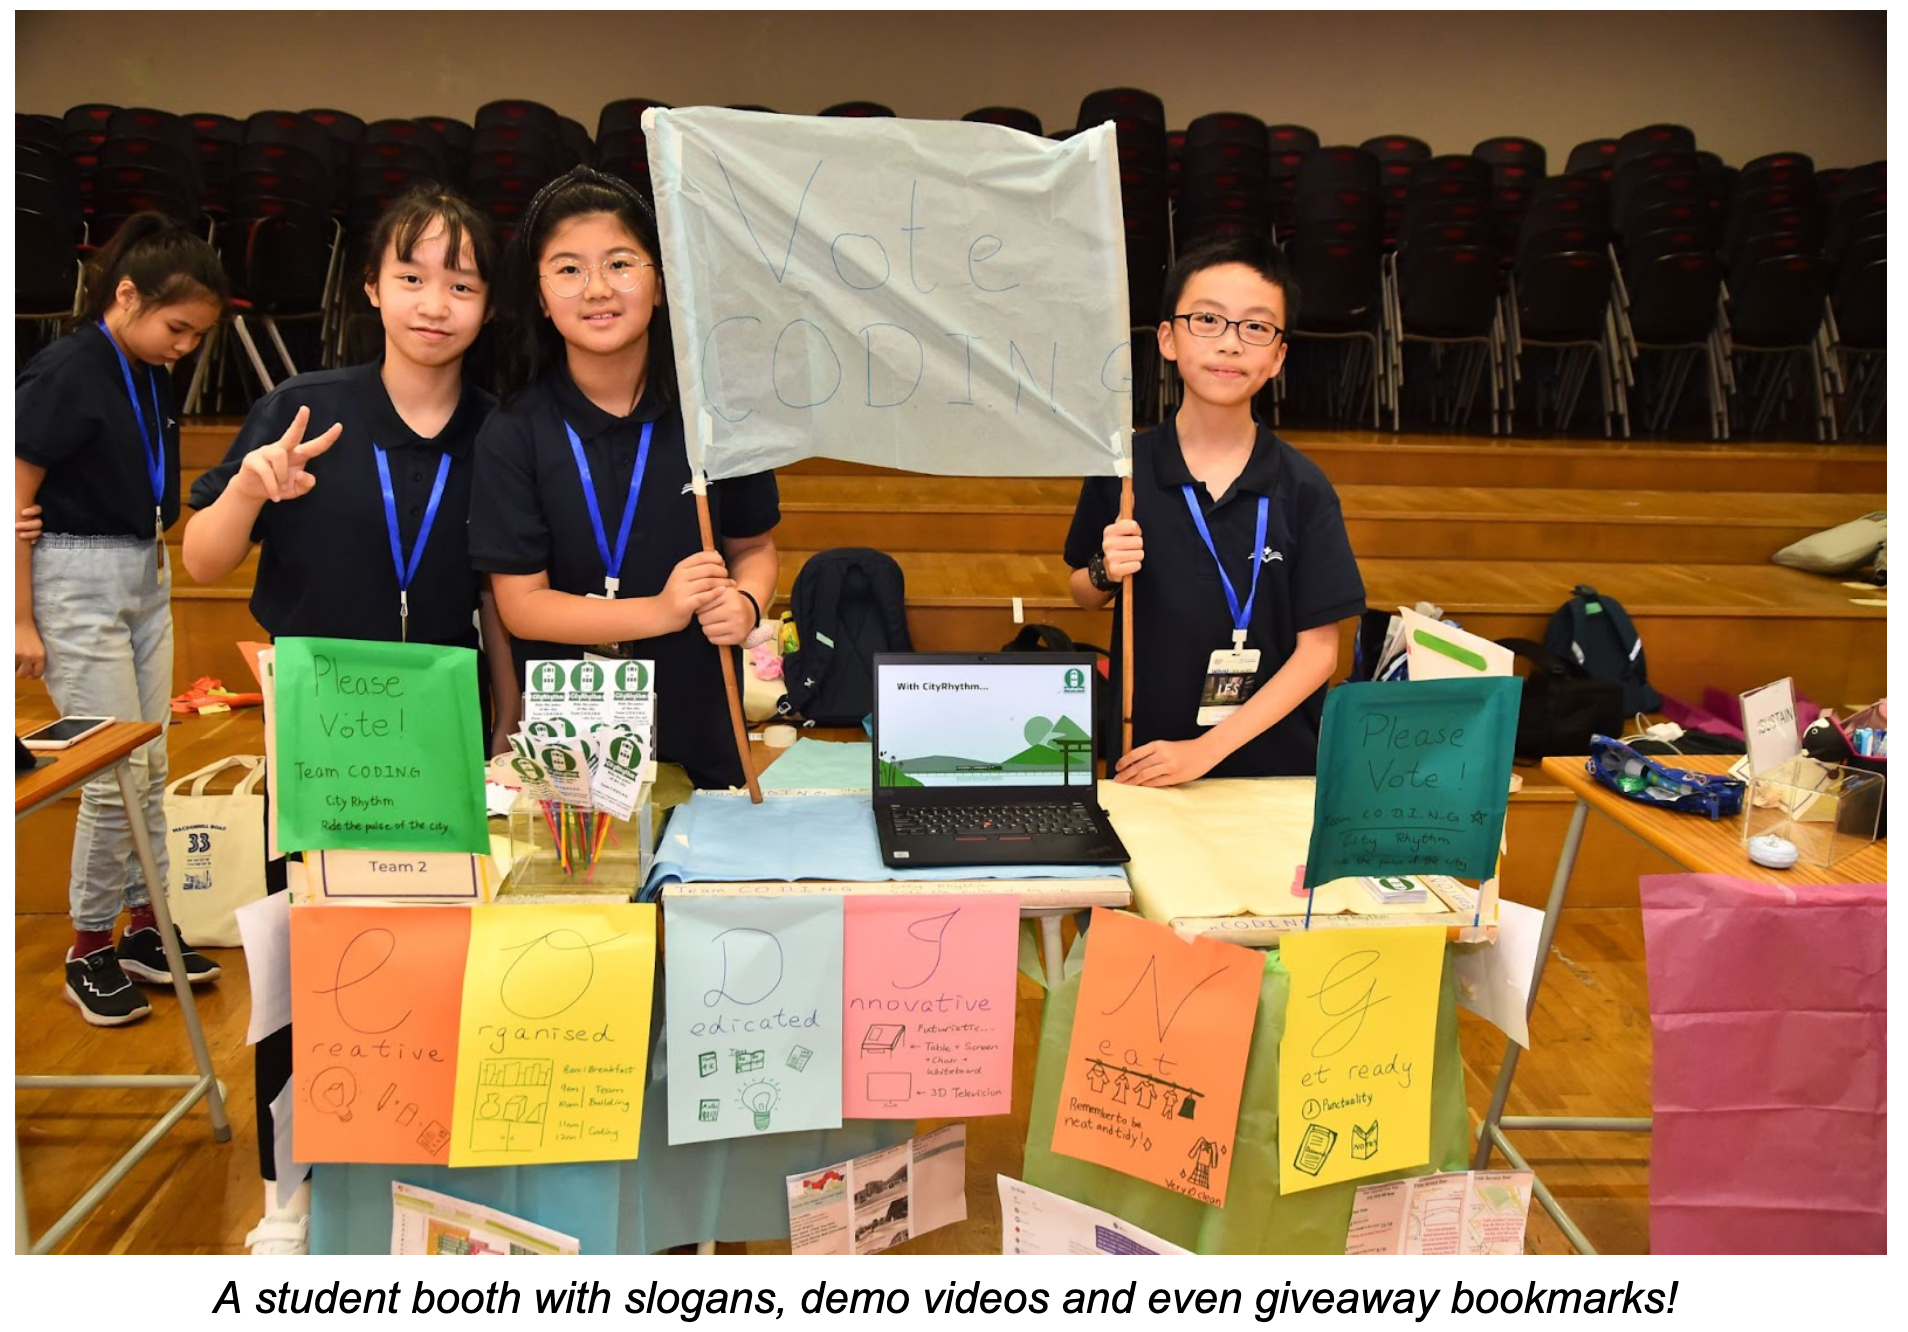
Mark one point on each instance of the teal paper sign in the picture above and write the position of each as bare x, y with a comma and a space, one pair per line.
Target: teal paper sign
754, 1015
1413, 777
377, 747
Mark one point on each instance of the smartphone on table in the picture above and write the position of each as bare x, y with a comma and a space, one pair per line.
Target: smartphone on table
64, 733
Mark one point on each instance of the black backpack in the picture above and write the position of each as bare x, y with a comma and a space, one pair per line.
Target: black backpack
849, 603
1563, 705
1052, 638
1595, 632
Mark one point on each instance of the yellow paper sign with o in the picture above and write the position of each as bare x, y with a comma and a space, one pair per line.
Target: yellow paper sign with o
1355, 1060
553, 1039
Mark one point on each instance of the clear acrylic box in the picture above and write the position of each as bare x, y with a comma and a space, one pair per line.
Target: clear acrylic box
1826, 810
616, 871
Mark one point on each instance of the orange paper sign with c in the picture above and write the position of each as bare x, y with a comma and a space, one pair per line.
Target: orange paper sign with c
1160, 1037
375, 998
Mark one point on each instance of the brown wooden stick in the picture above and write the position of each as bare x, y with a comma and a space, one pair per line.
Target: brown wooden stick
1126, 633
728, 669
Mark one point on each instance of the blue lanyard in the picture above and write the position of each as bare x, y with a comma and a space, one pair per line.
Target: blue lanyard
406, 571
612, 559
1241, 617
152, 444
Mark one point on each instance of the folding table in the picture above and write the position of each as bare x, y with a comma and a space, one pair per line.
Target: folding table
113, 748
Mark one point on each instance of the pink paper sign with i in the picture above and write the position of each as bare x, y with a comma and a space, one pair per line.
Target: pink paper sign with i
928, 1001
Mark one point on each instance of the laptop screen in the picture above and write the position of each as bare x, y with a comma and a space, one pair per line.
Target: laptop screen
1025, 721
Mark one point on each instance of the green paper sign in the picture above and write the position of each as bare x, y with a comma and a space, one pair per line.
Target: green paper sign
1413, 777
378, 747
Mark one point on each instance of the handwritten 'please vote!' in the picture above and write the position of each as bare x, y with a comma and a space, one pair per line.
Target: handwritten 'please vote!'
1412, 792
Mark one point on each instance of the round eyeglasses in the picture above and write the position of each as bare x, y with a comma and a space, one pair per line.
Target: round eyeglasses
1253, 332
624, 272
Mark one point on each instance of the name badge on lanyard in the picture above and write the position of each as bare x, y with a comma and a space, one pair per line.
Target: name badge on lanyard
612, 559
407, 569
1232, 674
152, 445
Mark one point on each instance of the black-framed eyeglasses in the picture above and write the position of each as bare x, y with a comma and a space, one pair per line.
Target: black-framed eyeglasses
1253, 332
624, 272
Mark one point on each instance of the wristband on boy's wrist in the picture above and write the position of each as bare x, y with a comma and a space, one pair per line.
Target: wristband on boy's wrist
752, 602
1097, 575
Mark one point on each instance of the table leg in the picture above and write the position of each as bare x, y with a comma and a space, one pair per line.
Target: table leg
175, 961
1553, 909
21, 1242
1052, 958
1571, 1231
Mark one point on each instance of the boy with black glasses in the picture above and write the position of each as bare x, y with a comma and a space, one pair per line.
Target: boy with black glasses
1241, 565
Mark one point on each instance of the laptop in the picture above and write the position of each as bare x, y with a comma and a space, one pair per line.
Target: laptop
987, 759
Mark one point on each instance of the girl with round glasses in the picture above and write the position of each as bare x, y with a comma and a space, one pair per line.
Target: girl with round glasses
583, 517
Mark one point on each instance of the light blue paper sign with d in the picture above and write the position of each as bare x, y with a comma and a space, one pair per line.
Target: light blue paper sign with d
1413, 777
753, 1014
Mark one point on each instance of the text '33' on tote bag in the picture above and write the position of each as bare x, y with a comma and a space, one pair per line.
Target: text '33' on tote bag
216, 843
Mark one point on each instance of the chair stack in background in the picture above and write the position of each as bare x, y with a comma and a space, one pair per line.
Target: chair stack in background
1646, 263
1139, 126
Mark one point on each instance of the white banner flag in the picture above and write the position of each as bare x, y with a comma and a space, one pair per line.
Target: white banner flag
938, 296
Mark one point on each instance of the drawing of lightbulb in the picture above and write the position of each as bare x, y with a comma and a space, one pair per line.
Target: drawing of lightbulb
758, 1098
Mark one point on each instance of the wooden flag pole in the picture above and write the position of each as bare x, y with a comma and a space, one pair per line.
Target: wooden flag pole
728, 657
1126, 632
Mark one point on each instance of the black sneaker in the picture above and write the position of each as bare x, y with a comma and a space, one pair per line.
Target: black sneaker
99, 989
143, 957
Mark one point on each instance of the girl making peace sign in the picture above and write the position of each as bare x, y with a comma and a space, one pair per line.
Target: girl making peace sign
356, 484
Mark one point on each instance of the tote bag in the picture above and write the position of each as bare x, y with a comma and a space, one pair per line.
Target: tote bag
216, 844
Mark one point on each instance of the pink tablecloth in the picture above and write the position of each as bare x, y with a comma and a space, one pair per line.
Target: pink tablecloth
1769, 1008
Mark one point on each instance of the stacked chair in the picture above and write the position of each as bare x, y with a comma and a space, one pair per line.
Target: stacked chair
1139, 125
1644, 262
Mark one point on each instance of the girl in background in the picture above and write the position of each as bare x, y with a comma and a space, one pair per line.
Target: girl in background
96, 451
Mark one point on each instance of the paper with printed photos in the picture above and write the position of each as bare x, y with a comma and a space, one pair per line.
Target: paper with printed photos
1466, 1212
879, 1200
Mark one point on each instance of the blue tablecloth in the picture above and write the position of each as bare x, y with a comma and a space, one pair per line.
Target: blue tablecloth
723, 838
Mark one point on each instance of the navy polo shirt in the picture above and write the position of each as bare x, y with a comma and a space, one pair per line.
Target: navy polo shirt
325, 567
1307, 577
529, 515
71, 416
